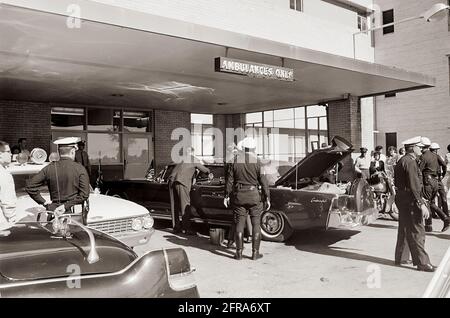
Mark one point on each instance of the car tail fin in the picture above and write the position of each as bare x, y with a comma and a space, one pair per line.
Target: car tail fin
180, 273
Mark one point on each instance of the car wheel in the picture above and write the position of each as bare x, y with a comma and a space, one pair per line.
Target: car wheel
363, 196
274, 227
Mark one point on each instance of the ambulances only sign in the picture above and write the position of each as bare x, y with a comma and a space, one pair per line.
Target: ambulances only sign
246, 68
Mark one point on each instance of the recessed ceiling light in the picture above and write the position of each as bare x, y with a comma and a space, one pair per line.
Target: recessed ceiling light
222, 103
117, 95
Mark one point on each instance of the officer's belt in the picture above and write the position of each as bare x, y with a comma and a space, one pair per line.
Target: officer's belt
245, 187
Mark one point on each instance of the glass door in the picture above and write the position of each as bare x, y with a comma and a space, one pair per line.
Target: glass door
138, 155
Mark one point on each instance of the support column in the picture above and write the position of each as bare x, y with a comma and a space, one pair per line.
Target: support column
344, 119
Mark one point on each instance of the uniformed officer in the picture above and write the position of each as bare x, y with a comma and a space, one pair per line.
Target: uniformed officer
67, 181
442, 194
180, 182
429, 165
243, 180
412, 208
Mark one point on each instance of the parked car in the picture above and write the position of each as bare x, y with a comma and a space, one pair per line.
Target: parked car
125, 220
39, 259
300, 199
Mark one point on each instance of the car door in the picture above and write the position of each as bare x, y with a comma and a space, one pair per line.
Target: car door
207, 198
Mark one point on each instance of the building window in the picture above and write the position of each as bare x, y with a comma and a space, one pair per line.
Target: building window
362, 23
288, 134
112, 135
296, 5
388, 17
202, 138
391, 140
66, 118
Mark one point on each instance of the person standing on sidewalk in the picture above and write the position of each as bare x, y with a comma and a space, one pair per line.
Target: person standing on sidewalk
429, 165
241, 190
412, 209
442, 194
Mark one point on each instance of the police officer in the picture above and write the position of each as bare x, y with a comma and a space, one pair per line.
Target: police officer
412, 208
442, 194
429, 165
67, 181
243, 180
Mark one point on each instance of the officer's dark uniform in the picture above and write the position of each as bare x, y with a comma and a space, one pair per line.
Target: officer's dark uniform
67, 181
243, 180
408, 180
441, 189
429, 165
180, 182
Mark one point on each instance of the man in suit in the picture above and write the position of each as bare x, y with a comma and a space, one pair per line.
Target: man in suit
180, 182
82, 157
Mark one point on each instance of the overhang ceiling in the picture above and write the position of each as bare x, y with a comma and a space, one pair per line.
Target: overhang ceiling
103, 64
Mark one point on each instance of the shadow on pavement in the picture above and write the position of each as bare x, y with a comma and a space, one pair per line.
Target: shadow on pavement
440, 235
199, 241
319, 242
383, 226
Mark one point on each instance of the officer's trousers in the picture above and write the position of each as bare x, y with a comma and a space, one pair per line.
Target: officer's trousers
181, 205
240, 215
430, 191
411, 231
443, 197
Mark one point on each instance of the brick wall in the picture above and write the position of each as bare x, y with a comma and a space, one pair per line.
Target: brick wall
165, 123
344, 119
420, 47
25, 119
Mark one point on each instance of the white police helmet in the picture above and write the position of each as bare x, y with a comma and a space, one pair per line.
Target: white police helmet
434, 146
247, 142
426, 141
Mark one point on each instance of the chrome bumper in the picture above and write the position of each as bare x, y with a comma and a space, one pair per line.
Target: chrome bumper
346, 219
135, 238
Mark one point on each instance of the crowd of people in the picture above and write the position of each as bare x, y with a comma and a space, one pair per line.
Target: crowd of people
421, 179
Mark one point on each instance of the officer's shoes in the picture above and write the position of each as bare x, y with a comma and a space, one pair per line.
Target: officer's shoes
428, 228
426, 268
256, 255
238, 255
446, 226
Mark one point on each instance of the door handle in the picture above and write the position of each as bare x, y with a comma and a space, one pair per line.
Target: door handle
294, 204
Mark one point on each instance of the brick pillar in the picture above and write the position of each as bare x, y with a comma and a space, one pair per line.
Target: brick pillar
165, 123
344, 119
26, 120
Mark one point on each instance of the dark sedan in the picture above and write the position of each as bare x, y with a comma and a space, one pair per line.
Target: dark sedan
301, 197
65, 259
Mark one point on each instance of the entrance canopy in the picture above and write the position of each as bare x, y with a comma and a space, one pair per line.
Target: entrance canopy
125, 58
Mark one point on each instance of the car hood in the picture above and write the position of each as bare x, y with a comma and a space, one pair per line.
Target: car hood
318, 161
101, 207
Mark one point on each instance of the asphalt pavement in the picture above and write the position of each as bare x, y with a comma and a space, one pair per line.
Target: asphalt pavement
312, 263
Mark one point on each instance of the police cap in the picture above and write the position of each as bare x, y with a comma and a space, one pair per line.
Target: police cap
415, 141
67, 142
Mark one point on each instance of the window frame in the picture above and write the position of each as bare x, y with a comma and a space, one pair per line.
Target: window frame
389, 29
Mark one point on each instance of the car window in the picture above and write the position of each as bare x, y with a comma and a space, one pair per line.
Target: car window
273, 170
